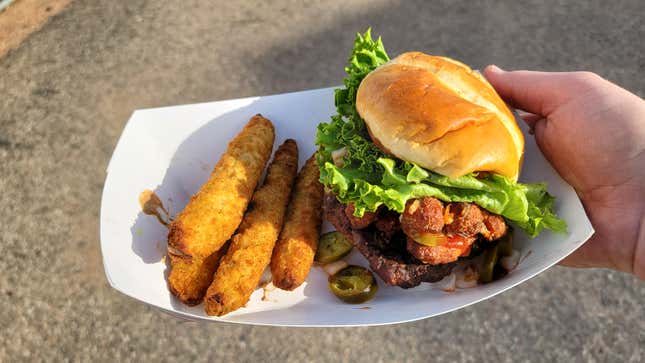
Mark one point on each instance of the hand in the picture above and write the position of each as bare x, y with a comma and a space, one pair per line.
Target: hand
593, 133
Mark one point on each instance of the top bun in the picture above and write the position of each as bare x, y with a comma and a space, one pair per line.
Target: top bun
441, 115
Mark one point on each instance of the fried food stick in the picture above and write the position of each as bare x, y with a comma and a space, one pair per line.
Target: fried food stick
294, 252
189, 278
214, 213
249, 254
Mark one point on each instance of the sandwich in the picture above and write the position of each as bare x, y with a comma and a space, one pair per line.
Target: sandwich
420, 165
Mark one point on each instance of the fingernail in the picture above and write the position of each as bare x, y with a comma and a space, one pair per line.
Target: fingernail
495, 69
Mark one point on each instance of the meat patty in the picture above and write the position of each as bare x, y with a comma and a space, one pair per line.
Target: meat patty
359, 222
422, 215
385, 252
388, 224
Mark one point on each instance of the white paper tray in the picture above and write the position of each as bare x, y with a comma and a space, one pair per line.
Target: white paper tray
172, 150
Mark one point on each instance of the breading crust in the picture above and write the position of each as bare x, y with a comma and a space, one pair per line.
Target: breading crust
249, 254
189, 280
294, 252
215, 212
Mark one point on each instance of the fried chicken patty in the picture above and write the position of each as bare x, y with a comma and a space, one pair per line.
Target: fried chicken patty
428, 215
423, 215
441, 253
438, 234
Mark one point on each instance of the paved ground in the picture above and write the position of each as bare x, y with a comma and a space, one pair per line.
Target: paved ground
66, 93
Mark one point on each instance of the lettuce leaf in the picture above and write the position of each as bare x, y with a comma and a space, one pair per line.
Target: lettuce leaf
369, 178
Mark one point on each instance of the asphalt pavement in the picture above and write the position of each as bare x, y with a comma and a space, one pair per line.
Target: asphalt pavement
67, 91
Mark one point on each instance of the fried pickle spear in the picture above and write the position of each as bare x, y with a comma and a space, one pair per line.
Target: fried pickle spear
214, 213
189, 278
249, 254
294, 252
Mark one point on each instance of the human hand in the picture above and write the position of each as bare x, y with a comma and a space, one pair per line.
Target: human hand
593, 133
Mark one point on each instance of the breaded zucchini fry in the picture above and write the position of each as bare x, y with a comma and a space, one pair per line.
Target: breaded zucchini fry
250, 251
188, 280
215, 212
294, 252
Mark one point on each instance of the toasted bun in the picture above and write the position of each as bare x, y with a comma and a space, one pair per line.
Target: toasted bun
441, 115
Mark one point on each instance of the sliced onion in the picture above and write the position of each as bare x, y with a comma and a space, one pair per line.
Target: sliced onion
446, 284
466, 284
332, 268
338, 155
510, 262
467, 277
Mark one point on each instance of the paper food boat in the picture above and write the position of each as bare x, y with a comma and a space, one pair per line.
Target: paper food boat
172, 150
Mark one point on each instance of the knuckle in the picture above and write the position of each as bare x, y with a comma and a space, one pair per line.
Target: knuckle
587, 78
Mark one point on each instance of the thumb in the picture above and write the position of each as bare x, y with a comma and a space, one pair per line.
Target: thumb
537, 92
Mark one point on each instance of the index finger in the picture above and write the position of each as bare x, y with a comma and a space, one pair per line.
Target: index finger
539, 93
